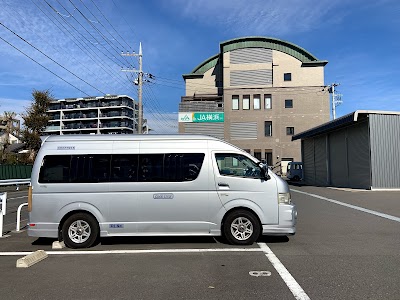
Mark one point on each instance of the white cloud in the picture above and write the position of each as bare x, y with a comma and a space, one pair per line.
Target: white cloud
163, 123
260, 17
15, 105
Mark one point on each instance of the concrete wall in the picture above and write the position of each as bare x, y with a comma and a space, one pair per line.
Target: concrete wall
262, 71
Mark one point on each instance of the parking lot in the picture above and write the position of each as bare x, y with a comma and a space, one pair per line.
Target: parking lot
346, 247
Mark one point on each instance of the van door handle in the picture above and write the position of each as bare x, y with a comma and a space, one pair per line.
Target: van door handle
223, 184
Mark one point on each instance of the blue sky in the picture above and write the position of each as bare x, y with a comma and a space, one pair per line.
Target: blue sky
81, 41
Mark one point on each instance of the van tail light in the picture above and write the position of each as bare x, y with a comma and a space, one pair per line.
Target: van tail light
30, 198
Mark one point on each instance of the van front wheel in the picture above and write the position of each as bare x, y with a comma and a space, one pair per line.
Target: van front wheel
80, 231
241, 227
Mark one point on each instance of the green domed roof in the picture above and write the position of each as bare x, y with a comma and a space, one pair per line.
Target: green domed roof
258, 42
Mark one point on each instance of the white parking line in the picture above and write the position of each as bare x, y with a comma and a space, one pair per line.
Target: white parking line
17, 198
291, 283
85, 252
372, 212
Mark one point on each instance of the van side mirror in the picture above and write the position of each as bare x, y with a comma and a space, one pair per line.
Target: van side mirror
264, 171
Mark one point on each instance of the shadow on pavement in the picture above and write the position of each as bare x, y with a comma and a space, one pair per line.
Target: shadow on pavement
44, 241
157, 240
273, 239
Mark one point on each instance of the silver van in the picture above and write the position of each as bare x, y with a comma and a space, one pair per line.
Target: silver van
88, 186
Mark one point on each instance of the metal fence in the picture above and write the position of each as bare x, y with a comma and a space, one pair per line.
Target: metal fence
15, 171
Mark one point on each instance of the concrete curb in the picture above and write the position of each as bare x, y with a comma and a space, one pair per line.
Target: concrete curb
31, 259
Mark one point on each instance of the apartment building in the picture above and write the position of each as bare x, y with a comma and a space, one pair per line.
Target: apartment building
256, 93
109, 114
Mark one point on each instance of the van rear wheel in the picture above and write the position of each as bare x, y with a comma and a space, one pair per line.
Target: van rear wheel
241, 227
80, 230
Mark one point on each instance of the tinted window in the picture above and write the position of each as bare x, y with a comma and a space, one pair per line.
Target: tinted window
151, 167
75, 168
182, 167
170, 167
124, 168
55, 169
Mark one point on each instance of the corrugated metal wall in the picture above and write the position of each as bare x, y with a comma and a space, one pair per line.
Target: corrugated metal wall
358, 156
385, 154
212, 129
320, 161
340, 158
308, 160
199, 106
315, 161
251, 77
251, 55
244, 131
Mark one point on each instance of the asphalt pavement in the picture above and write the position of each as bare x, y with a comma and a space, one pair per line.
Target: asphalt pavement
338, 252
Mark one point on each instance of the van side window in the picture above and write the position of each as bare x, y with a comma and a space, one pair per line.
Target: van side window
231, 164
55, 169
92, 168
75, 168
124, 168
182, 166
151, 167
170, 167
89, 168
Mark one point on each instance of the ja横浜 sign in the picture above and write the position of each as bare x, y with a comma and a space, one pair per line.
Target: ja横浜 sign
201, 117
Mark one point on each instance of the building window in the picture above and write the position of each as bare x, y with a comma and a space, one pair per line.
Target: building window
246, 102
287, 76
268, 157
288, 103
235, 102
267, 102
257, 102
257, 154
289, 130
268, 128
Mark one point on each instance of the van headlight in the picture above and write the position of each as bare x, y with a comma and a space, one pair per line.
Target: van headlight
284, 198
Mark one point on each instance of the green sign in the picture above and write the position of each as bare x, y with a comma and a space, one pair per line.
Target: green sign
208, 117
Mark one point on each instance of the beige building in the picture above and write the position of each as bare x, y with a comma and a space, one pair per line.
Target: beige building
256, 93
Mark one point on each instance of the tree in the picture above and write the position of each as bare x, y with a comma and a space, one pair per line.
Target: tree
8, 118
35, 120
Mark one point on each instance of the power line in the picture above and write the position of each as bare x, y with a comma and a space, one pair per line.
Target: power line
85, 49
43, 66
50, 58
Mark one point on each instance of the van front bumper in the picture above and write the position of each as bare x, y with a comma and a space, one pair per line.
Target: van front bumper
287, 221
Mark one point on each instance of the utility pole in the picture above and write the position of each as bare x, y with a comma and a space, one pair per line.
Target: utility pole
140, 85
336, 98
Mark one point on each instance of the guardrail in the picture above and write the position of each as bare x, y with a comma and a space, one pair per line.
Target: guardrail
16, 182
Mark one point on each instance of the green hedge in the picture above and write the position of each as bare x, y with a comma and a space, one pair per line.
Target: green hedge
15, 171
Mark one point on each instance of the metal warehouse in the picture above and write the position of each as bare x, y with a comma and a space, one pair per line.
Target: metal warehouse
358, 150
